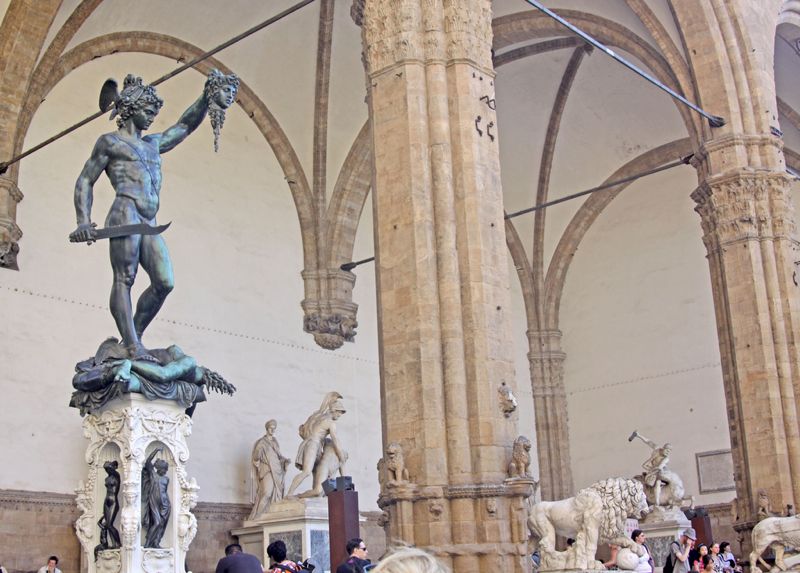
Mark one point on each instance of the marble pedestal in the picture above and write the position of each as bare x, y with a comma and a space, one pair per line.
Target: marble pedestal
127, 430
301, 523
662, 527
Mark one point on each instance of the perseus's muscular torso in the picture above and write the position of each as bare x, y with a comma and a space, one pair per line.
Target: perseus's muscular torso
134, 169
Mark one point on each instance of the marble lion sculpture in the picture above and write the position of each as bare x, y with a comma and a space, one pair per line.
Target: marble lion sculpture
777, 532
595, 515
520, 458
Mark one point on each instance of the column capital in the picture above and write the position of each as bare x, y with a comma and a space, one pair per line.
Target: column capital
745, 205
395, 31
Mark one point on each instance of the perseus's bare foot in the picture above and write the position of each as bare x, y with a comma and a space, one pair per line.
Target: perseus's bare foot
139, 352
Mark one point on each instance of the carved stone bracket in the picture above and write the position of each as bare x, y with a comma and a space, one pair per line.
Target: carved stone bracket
330, 313
125, 431
10, 233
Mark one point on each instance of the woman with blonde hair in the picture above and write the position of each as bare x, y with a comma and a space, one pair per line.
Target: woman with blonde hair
410, 560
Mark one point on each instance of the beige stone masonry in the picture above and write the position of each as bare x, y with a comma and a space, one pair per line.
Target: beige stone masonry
442, 281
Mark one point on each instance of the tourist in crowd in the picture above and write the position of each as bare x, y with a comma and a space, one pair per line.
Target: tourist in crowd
707, 563
696, 557
728, 560
51, 566
410, 560
680, 551
357, 561
237, 561
280, 564
713, 551
646, 563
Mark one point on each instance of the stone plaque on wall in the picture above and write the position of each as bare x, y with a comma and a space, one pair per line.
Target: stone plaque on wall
715, 471
293, 541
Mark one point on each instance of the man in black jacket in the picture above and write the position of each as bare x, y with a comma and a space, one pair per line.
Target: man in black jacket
357, 561
236, 561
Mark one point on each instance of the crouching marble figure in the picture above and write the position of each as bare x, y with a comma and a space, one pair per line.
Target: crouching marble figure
595, 515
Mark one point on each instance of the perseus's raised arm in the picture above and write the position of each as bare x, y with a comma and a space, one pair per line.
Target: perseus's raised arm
219, 93
188, 122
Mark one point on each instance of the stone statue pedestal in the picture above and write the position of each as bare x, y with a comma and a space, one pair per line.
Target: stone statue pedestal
127, 430
302, 523
663, 526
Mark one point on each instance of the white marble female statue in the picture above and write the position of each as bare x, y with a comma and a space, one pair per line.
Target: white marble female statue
270, 471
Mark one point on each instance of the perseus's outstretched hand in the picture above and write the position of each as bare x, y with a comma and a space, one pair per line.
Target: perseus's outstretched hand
220, 93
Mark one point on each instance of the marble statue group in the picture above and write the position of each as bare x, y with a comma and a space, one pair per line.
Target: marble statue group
320, 455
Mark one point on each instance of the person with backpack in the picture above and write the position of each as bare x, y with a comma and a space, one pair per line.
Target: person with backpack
678, 559
277, 552
357, 561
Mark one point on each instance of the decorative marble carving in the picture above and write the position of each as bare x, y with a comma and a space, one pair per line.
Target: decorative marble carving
392, 470
393, 31
109, 561
764, 505
331, 330
132, 429
741, 207
778, 533
597, 514
519, 466
269, 470
436, 509
158, 561
662, 486
508, 402
320, 453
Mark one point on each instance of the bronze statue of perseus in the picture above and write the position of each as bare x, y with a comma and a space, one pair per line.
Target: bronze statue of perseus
132, 162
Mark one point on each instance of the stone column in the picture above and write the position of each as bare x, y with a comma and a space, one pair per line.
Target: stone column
550, 407
442, 275
749, 233
22, 33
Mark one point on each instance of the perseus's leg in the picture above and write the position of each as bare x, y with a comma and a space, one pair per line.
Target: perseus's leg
155, 261
124, 254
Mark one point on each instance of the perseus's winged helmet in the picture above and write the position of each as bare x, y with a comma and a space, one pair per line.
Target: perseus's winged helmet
132, 89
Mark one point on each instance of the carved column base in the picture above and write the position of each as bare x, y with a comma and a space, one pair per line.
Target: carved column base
126, 431
330, 313
503, 503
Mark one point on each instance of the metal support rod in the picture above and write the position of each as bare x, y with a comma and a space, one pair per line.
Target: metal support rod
713, 120
684, 161
6, 164
353, 264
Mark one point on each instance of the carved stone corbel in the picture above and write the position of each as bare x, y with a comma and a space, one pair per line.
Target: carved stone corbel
330, 313
10, 233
